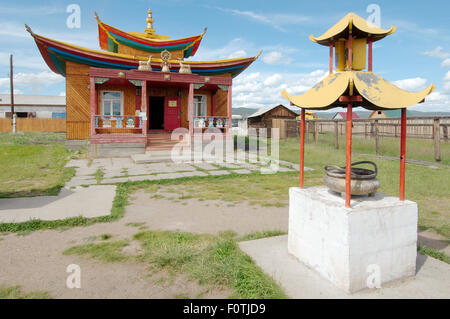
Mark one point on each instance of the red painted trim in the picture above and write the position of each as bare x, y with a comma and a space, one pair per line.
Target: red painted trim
159, 76
191, 109
331, 56
402, 154
370, 54
348, 157
118, 138
350, 99
302, 149
93, 103
213, 104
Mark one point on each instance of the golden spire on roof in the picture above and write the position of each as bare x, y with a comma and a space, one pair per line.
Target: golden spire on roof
149, 30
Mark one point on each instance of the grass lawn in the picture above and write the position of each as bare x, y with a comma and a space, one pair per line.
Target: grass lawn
418, 149
33, 164
429, 187
15, 292
213, 261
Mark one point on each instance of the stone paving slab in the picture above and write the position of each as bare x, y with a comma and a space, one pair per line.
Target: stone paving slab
74, 182
69, 203
301, 282
206, 166
220, 172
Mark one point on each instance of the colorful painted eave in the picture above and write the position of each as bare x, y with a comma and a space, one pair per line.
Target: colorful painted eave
377, 93
57, 53
360, 27
110, 37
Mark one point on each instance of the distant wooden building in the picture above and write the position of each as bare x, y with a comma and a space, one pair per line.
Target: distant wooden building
267, 117
387, 114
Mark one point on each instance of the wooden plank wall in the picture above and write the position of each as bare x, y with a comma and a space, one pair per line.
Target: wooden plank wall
5, 125
221, 103
34, 125
77, 101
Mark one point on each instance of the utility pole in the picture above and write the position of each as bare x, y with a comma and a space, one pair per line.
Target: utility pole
11, 81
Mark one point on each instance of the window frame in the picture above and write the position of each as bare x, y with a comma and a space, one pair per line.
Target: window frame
204, 103
103, 100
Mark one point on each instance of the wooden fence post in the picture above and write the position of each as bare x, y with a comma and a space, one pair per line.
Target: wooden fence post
307, 132
336, 135
437, 140
377, 139
445, 128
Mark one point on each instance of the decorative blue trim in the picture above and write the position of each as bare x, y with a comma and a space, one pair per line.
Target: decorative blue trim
100, 80
222, 87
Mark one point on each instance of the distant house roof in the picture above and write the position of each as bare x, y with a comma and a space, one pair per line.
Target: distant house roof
344, 115
266, 109
33, 100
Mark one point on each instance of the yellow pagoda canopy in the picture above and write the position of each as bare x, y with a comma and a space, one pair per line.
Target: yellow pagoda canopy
376, 92
360, 27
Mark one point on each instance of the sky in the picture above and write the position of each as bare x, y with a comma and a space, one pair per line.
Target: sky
416, 55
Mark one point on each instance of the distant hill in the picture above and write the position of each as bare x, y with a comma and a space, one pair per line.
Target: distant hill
245, 112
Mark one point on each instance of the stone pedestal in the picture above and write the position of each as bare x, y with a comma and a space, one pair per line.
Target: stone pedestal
348, 246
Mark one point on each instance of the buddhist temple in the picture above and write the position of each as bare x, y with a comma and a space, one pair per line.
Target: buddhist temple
140, 87
349, 85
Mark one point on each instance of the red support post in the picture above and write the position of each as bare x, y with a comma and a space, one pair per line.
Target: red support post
191, 110
402, 155
331, 56
302, 148
370, 54
348, 157
93, 103
144, 108
229, 109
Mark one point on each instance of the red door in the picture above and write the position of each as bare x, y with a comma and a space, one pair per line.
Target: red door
172, 108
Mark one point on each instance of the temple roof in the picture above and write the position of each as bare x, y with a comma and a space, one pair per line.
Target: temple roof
110, 37
376, 92
361, 28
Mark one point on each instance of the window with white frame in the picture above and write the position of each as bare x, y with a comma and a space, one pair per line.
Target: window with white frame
112, 103
200, 105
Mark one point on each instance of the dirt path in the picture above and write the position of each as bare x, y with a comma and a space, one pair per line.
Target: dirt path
36, 262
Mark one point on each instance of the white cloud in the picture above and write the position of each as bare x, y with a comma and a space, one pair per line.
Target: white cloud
62, 94
273, 79
276, 58
438, 53
236, 48
256, 89
275, 20
414, 84
33, 81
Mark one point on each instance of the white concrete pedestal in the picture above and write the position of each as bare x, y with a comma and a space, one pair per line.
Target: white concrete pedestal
349, 245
